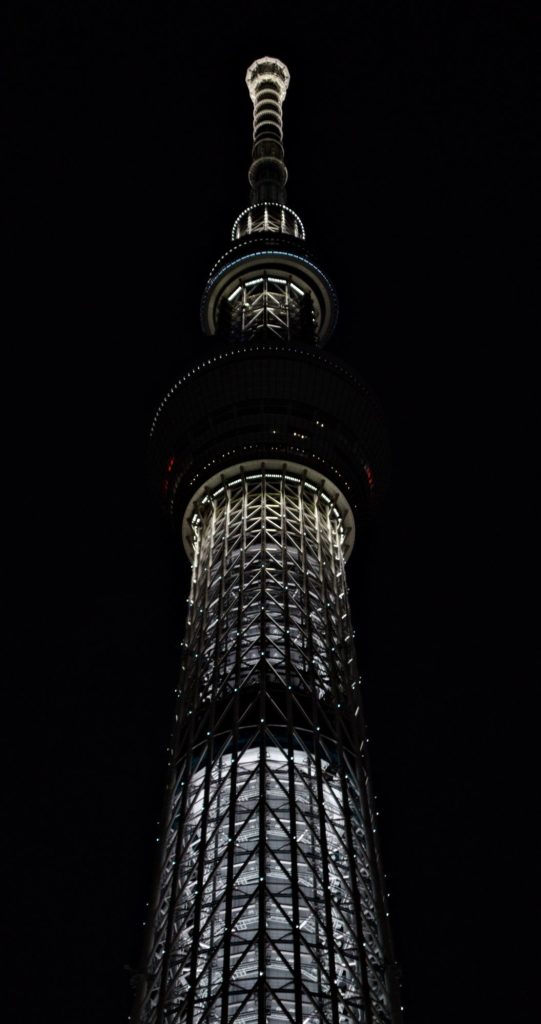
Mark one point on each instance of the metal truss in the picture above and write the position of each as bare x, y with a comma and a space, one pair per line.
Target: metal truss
268, 304
268, 905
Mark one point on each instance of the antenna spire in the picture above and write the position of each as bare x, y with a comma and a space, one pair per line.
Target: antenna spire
267, 80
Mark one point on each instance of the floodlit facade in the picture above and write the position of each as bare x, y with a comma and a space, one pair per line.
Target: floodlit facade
269, 903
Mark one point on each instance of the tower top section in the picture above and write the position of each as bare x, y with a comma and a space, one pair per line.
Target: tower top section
268, 285
265, 393
267, 69
267, 80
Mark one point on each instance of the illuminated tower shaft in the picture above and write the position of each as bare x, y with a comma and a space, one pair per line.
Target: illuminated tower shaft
268, 906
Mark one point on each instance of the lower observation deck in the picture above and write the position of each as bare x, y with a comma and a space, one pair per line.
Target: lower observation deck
269, 401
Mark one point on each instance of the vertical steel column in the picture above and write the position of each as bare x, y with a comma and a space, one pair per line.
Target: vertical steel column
291, 769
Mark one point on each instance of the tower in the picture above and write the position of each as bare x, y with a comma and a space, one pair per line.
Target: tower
268, 905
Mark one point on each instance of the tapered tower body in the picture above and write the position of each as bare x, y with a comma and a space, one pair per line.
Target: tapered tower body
268, 905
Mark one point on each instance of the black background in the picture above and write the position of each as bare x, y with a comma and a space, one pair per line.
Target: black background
410, 134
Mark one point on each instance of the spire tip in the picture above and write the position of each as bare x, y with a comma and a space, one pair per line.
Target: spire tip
267, 69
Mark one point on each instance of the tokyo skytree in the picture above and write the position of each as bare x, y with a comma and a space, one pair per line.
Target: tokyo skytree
268, 905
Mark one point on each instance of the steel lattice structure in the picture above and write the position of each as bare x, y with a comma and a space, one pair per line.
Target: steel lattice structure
269, 904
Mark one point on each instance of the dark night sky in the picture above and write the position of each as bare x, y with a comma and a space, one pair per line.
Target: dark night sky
411, 142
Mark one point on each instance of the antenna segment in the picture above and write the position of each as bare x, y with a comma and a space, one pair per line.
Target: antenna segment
267, 80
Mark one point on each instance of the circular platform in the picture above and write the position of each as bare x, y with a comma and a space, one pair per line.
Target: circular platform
266, 402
